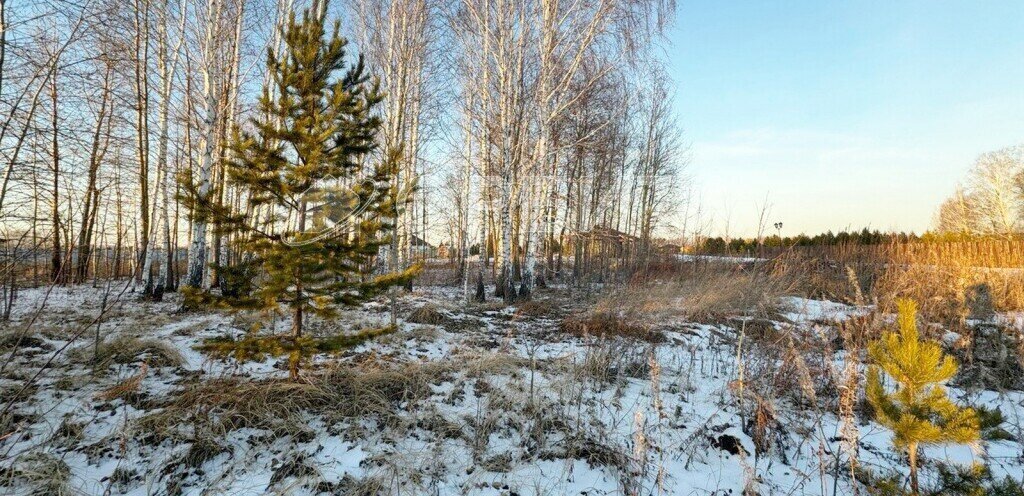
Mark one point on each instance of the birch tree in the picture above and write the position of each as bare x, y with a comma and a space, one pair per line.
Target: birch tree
209, 72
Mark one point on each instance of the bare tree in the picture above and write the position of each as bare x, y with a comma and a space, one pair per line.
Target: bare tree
995, 192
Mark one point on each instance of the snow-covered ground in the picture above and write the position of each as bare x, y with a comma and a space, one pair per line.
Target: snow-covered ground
512, 406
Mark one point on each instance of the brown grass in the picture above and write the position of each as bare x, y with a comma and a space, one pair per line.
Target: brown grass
126, 387
705, 291
536, 308
943, 291
427, 314
604, 324
39, 472
129, 349
224, 405
939, 276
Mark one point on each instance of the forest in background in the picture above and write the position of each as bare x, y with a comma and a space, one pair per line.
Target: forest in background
531, 128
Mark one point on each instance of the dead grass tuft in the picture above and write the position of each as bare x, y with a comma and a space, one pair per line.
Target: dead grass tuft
419, 334
427, 314
604, 323
17, 338
224, 405
129, 349
126, 387
537, 308
297, 467
42, 473
68, 433
202, 449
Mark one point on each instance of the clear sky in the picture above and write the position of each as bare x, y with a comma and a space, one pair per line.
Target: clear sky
845, 113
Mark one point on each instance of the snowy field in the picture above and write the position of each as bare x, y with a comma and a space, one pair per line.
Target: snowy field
489, 400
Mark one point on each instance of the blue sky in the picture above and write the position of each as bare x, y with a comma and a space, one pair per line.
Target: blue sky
843, 113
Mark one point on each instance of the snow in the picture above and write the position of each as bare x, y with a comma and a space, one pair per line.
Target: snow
501, 364
805, 310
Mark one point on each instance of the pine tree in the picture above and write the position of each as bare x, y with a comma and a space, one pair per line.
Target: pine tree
317, 128
918, 411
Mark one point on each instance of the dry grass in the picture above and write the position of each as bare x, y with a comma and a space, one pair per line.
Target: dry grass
129, 349
383, 391
603, 324
41, 473
537, 308
944, 292
705, 291
20, 339
224, 405
427, 314
944, 278
126, 387
257, 347
419, 334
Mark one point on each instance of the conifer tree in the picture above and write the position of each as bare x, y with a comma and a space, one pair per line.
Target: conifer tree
318, 128
918, 411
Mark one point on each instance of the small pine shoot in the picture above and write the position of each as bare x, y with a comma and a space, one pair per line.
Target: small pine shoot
918, 411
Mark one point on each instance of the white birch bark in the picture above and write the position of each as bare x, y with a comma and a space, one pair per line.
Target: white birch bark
197, 248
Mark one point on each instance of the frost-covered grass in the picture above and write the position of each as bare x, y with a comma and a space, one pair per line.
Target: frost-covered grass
485, 399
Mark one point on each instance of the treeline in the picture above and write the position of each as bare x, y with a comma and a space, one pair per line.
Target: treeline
864, 237
526, 127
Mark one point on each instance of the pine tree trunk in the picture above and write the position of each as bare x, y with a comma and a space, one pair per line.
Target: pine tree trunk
299, 302
912, 451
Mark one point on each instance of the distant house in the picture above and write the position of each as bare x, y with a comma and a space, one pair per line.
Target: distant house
421, 248
444, 251
607, 240
607, 235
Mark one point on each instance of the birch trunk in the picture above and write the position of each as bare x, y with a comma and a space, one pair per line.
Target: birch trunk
197, 248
